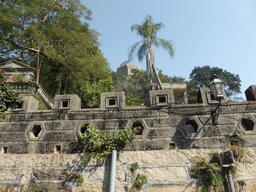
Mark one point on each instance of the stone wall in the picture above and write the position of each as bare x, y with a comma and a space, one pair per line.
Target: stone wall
164, 123
43, 150
167, 170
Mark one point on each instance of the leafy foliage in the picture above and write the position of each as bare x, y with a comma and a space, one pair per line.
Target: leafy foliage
54, 36
144, 48
241, 182
236, 136
132, 100
141, 179
210, 173
239, 152
101, 144
137, 85
134, 166
171, 146
7, 96
192, 91
201, 76
80, 179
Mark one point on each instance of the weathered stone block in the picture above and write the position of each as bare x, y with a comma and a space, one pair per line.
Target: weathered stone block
59, 136
168, 174
99, 174
250, 93
13, 127
160, 97
30, 103
57, 174
24, 176
60, 125
8, 188
113, 100
70, 102
113, 124
46, 188
189, 187
8, 174
13, 137
161, 133
41, 116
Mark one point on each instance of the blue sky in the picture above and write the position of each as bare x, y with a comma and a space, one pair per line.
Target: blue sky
204, 32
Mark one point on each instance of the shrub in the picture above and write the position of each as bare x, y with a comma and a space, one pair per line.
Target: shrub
7, 96
80, 180
134, 167
236, 137
101, 144
210, 174
141, 179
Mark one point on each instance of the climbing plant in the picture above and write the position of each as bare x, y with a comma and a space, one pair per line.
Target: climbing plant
101, 144
210, 174
7, 96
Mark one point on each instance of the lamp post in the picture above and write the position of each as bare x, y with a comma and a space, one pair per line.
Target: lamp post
217, 88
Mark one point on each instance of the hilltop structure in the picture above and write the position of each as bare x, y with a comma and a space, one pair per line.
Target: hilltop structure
126, 68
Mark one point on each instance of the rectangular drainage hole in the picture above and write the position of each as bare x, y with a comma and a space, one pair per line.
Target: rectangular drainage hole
57, 148
171, 146
4, 150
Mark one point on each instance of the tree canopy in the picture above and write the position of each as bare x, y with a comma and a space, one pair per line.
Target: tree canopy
201, 77
137, 85
144, 48
54, 36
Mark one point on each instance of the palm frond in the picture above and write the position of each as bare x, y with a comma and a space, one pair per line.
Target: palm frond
132, 50
137, 28
142, 52
166, 45
158, 26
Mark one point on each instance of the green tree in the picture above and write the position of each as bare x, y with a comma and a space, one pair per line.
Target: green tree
201, 76
137, 85
53, 36
148, 31
7, 96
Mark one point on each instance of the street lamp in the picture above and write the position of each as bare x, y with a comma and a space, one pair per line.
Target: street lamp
217, 88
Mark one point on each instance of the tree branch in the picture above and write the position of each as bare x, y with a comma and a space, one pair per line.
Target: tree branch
47, 14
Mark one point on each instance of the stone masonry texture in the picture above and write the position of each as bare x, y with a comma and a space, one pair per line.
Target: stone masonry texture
44, 150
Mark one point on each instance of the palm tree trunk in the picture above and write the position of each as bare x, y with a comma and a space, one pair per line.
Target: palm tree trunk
152, 62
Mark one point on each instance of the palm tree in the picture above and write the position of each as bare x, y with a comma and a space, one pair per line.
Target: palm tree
148, 31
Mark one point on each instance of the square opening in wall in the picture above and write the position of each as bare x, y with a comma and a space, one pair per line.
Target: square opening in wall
171, 146
65, 103
162, 99
112, 102
212, 96
57, 149
4, 150
19, 105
